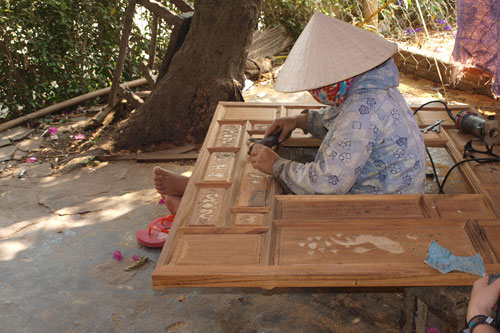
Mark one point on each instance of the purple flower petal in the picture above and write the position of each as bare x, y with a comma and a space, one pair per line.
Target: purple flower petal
117, 255
79, 136
448, 28
162, 201
31, 160
437, 49
52, 130
135, 258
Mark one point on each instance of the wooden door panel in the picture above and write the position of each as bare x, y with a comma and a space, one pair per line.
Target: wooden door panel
233, 228
366, 242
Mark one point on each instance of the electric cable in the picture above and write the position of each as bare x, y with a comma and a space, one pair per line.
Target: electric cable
479, 160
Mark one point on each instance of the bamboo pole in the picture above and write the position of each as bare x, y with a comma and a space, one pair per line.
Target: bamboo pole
127, 27
65, 104
152, 45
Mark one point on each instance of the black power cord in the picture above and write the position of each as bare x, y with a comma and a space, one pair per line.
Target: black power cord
467, 148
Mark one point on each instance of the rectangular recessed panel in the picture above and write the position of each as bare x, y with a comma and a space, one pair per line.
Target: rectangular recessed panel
254, 186
430, 117
493, 234
259, 127
229, 136
346, 243
488, 173
207, 206
333, 207
459, 207
249, 219
220, 167
227, 249
244, 113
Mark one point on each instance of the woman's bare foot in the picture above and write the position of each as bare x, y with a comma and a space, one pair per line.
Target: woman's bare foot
168, 183
172, 203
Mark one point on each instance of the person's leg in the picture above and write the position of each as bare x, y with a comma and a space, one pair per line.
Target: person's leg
168, 183
172, 203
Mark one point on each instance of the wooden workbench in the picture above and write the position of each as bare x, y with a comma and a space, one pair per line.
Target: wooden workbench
234, 228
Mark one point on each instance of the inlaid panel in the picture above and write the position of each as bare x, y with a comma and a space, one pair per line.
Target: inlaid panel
254, 187
258, 128
207, 207
220, 167
386, 242
249, 219
229, 136
194, 249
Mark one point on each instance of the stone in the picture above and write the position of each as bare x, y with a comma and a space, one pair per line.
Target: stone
29, 145
16, 133
6, 153
4, 142
39, 170
19, 155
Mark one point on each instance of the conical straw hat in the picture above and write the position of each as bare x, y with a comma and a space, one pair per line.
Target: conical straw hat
330, 51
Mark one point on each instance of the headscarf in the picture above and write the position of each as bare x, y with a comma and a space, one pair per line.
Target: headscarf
334, 94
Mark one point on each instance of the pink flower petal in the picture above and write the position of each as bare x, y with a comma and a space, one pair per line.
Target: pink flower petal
117, 255
79, 137
31, 160
52, 130
135, 258
161, 202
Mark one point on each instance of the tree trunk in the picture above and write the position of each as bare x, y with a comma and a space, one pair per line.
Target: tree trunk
208, 68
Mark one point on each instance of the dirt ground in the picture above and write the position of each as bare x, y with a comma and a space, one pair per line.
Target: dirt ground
58, 232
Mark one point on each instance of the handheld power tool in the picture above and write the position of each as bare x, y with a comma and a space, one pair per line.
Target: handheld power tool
472, 123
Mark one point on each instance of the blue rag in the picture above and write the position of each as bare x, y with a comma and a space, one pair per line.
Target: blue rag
444, 261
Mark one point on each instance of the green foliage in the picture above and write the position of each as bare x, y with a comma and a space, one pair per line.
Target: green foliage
393, 21
53, 50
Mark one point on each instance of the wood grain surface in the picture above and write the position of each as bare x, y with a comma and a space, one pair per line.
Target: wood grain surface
235, 228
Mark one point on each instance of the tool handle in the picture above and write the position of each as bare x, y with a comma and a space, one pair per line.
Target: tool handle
270, 141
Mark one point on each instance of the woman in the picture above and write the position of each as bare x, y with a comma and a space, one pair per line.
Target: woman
371, 141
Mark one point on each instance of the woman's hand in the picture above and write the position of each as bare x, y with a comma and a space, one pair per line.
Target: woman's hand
286, 125
484, 298
262, 158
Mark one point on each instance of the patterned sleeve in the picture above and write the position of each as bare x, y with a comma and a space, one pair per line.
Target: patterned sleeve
314, 124
340, 159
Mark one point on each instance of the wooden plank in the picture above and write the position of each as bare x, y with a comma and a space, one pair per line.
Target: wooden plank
158, 9
335, 275
183, 5
173, 154
479, 239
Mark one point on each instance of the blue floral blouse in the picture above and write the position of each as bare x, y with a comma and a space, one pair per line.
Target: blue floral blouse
371, 143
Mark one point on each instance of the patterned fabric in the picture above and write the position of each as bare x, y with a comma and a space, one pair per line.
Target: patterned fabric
334, 94
371, 143
477, 44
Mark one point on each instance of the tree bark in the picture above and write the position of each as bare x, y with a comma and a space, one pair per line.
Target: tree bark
208, 68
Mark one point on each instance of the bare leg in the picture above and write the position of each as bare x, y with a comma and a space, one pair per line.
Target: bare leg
172, 203
168, 183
